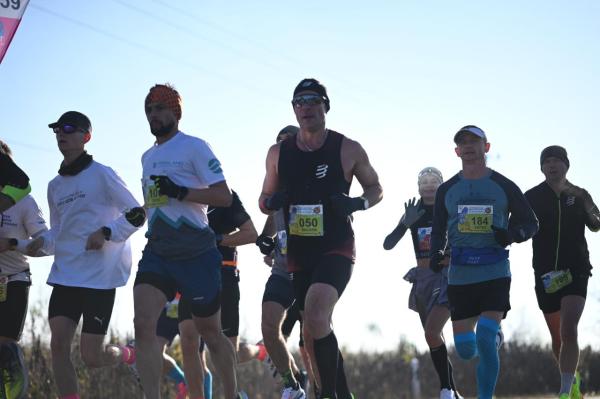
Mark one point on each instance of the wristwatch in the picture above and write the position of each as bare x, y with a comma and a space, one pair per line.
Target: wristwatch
106, 231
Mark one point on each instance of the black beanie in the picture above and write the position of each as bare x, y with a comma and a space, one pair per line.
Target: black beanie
555, 151
311, 84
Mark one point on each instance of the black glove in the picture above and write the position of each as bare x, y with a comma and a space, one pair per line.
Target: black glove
502, 236
276, 201
344, 206
435, 261
167, 187
136, 216
265, 243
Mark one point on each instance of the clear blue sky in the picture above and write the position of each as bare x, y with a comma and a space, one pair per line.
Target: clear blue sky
402, 78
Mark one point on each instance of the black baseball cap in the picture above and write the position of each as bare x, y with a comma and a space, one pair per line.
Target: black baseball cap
310, 84
73, 118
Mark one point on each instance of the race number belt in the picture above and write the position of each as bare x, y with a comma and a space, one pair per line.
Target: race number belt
306, 220
475, 218
556, 280
152, 198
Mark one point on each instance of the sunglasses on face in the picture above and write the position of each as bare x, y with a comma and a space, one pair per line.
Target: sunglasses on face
68, 129
307, 99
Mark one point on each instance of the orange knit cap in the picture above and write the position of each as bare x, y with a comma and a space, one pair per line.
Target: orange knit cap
167, 95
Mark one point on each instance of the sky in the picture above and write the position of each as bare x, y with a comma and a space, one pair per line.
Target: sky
402, 77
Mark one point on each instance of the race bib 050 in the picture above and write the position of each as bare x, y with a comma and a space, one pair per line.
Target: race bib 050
306, 220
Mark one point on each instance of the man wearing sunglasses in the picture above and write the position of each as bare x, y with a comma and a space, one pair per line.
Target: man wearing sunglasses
181, 178
89, 239
14, 183
309, 177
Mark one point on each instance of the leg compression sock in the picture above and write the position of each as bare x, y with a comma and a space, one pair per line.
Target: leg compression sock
566, 380
176, 374
489, 363
341, 386
466, 345
207, 384
439, 356
327, 355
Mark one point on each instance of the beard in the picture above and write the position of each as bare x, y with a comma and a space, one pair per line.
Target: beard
162, 130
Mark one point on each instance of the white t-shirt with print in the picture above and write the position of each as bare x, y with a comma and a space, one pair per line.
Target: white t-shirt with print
188, 161
80, 205
21, 221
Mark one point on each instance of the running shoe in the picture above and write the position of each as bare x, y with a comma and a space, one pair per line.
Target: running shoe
457, 395
564, 396
576, 387
446, 393
14, 378
182, 391
241, 395
291, 393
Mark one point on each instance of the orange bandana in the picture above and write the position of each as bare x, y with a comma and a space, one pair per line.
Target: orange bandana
166, 95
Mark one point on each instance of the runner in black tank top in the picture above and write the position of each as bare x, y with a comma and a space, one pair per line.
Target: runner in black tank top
309, 177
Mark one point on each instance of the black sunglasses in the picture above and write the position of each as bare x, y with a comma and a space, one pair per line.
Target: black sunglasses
307, 99
68, 129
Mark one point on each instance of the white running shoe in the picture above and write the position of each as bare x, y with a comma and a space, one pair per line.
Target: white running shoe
446, 394
291, 393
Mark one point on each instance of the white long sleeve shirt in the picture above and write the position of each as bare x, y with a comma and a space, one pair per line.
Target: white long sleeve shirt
80, 205
21, 221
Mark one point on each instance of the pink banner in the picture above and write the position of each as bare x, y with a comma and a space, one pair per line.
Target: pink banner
11, 12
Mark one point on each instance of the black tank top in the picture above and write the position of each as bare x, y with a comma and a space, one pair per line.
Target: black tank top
310, 178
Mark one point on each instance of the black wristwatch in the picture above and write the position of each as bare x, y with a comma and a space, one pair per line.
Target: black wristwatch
106, 231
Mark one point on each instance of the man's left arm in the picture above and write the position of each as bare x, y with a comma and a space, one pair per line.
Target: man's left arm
366, 176
523, 223
246, 232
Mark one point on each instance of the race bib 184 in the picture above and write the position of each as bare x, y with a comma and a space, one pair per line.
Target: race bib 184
475, 218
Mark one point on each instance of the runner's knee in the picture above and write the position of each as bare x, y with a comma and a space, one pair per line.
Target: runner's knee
466, 345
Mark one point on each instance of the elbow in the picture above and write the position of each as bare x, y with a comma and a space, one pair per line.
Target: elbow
225, 199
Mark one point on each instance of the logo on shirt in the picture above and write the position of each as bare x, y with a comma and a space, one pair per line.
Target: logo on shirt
570, 201
321, 171
215, 166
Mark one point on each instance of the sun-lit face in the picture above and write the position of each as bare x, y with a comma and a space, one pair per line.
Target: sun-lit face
428, 185
310, 117
471, 148
554, 169
69, 142
161, 118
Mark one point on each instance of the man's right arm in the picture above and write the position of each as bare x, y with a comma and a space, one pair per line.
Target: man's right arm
271, 181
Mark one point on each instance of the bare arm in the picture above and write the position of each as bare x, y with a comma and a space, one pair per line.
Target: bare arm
271, 181
365, 174
217, 194
246, 234
269, 228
